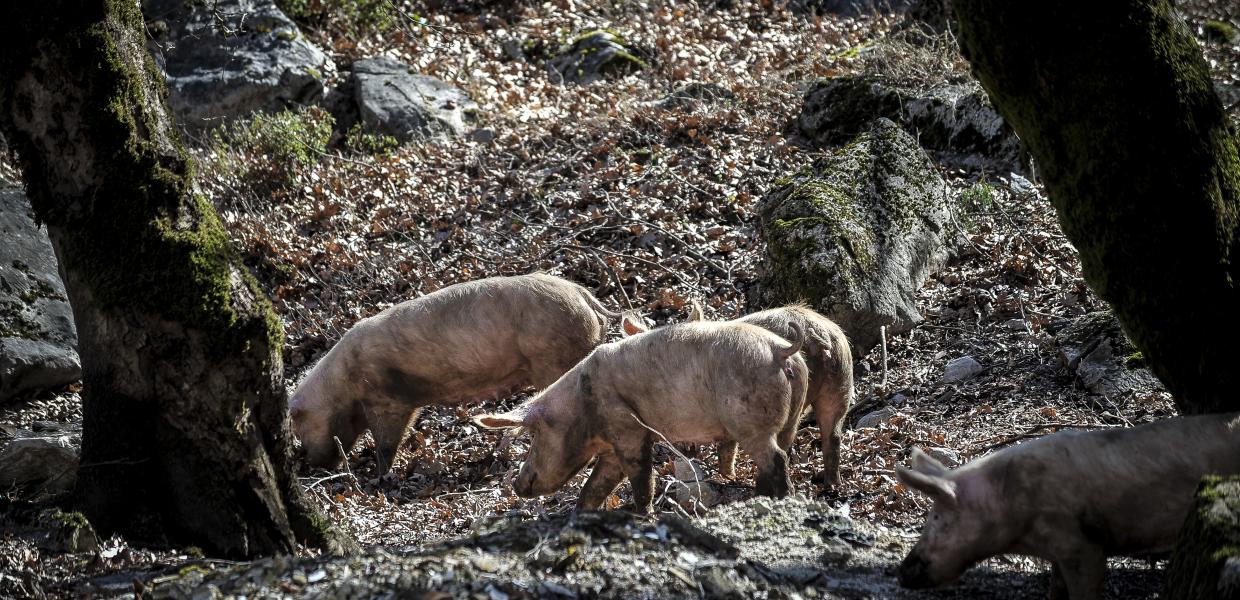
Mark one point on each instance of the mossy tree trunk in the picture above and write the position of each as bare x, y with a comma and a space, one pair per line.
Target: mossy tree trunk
1115, 103
186, 437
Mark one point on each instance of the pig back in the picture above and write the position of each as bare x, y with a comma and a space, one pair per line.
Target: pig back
696, 381
483, 337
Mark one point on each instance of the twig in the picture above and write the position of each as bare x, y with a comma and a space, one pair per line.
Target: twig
1035, 432
344, 458
615, 277
329, 478
677, 452
882, 333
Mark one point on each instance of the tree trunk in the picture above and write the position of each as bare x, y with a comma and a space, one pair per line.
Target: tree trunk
186, 437
1115, 103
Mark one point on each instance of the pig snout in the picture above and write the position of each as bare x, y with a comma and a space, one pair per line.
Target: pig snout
914, 573
524, 484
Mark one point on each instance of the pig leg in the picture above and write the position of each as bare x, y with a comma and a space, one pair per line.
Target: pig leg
388, 423
772, 464
636, 459
830, 415
727, 459
1082, 572
607, 474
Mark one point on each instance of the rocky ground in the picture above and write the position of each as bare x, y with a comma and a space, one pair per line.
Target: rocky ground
643, 187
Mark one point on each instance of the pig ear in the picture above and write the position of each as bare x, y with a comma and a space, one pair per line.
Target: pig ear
508, 420
924, 463
633, 325
936, 487
695, 311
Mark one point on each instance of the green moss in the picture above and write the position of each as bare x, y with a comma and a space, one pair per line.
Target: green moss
72, 520
14, 324
979, 197
353, 17
267, 151
1219, 31
357, 140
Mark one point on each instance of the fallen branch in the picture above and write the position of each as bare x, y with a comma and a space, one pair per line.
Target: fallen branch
677, 452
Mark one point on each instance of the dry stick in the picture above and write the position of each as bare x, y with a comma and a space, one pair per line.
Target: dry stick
1034, 432
615, 277
344, 457
696, 481
328, 478
882, 333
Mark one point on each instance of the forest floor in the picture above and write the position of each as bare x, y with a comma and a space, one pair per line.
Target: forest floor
650, 205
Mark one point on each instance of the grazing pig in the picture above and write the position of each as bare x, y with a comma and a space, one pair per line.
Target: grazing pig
1071, 498
829, 359
692, 382
465, 342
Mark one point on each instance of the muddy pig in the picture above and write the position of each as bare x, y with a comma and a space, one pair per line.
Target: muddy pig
693, 382
1072, 498
465, 342
829, 358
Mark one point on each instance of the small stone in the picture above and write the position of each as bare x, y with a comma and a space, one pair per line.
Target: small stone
687, 470
316, 576
960, 369
875, 418
482, 135
948, 457
1016, 325
897, 400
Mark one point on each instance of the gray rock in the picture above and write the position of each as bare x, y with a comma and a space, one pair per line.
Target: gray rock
856, 234
393, 100
1095, 349
44, 462
694, 487
960, 369
228, 58
954, 121
38, 342
691, 94
592, 56
874, 418
944, 455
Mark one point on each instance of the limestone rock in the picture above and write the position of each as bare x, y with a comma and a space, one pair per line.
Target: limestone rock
953, 121
38, 342
393, 100
43, 462
229, 58
1095, 349
857, 233
594, 55
960, 369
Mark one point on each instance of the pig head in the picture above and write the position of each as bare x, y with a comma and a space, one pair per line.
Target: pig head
958, 532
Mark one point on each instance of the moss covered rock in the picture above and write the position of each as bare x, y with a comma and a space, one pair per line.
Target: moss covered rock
38, 342
1206, 562
857, 233
595, 55
954, 121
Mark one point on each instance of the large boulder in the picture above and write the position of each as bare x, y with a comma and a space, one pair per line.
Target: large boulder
38, 342
857, 233
1206, 561
954, 121
229, 58
393, 100
594, 55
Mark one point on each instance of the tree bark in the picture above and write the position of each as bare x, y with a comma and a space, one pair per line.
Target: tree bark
1115, 103
186, 437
